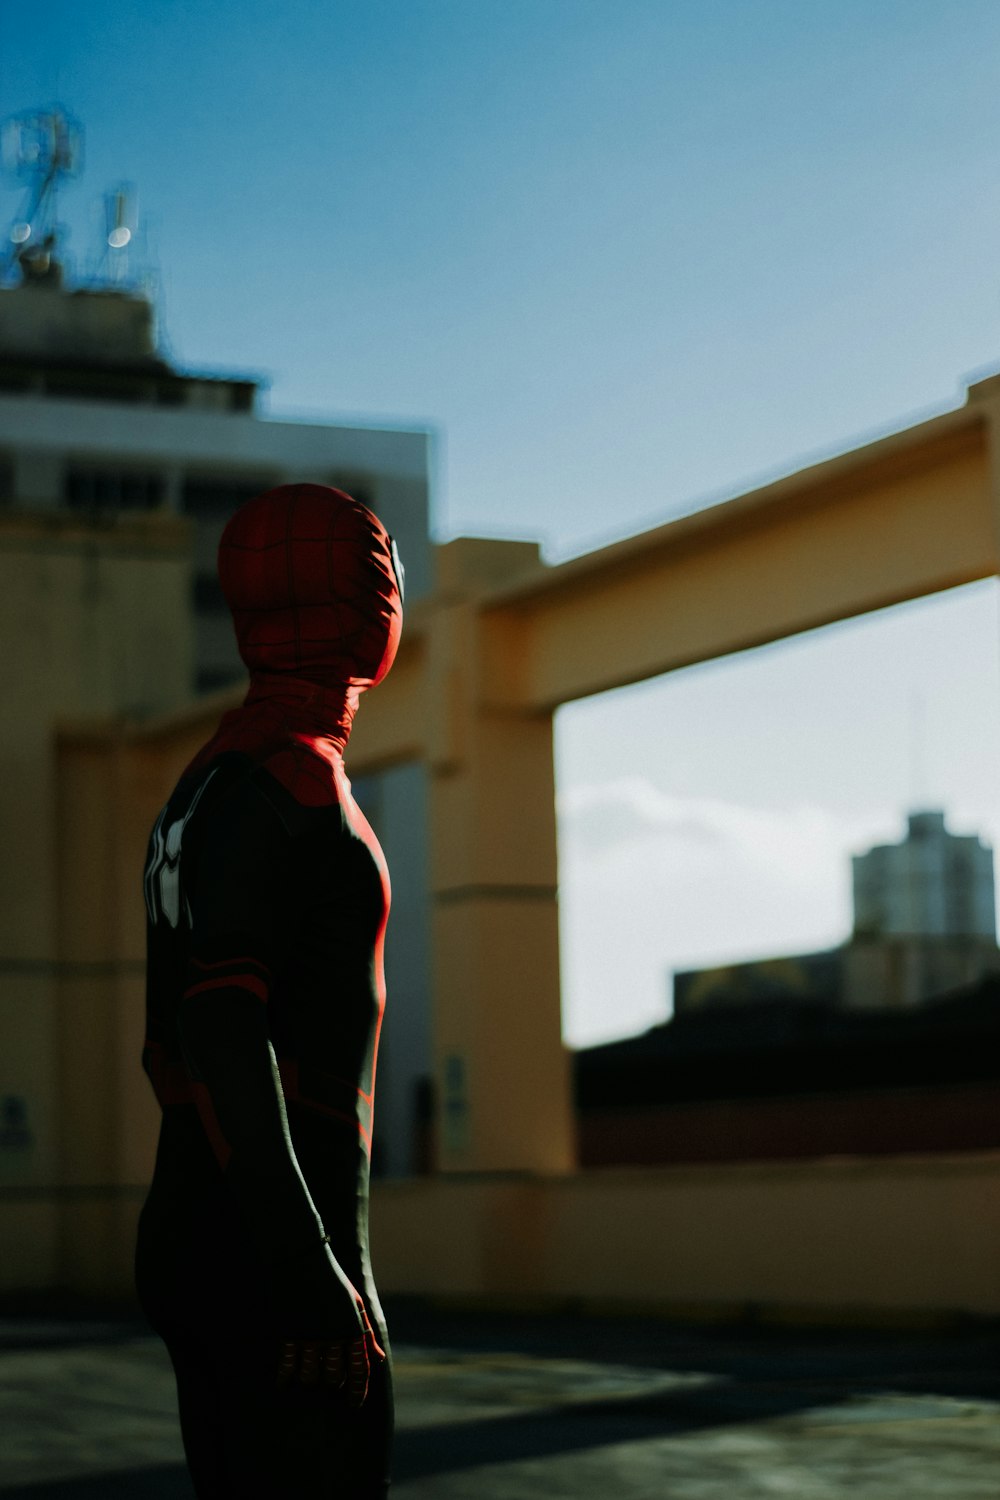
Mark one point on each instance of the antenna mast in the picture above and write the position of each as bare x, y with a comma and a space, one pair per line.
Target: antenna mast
42, 148
917, 759
119, 233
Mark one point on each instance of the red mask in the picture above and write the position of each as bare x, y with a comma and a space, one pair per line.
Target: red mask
311, 578
316, 589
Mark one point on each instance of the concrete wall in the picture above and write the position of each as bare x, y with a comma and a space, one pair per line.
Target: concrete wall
107, 1116
911, 1239
845, 1239
95, 621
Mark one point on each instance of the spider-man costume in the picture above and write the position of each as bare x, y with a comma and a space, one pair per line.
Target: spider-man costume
267, 896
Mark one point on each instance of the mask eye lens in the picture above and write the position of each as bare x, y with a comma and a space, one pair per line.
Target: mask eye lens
397, 566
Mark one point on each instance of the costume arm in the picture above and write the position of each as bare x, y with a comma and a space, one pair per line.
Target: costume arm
222, 1019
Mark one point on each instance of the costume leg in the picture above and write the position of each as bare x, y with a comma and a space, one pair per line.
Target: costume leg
306, 1443
245, 1439
202, 1418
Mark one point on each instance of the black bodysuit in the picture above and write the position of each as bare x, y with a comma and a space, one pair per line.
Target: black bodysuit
267, 897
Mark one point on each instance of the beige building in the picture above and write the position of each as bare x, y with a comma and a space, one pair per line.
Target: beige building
94, 622
497, 645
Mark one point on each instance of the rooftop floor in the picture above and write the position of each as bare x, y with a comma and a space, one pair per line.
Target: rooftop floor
520, 1408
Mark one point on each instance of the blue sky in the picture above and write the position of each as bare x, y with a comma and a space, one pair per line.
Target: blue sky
623, 256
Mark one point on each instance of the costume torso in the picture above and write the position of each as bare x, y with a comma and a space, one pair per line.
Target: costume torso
310, 902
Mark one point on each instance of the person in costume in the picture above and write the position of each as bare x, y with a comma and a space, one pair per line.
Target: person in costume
267, 896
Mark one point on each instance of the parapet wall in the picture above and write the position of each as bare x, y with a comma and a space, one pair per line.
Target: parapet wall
903, 1238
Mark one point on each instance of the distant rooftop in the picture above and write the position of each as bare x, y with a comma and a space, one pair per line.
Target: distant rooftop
99, 344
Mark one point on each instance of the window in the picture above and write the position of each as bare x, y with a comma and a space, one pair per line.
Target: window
220, 495
108, 489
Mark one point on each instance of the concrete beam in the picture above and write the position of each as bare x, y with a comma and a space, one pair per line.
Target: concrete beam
904, 517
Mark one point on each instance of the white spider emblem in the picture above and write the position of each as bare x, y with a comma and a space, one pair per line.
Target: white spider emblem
162, 880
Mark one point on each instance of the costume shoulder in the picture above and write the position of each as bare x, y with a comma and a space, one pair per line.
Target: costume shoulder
299, 764
299, 768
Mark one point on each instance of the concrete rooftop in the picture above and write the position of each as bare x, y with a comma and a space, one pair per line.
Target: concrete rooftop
521, 1408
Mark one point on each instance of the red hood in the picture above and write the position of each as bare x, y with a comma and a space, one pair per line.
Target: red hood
310, 576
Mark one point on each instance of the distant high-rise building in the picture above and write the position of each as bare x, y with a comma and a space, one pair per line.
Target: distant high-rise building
924, 924
932, 884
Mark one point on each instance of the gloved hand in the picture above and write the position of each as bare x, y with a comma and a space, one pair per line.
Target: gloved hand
342, 1347
344, 1363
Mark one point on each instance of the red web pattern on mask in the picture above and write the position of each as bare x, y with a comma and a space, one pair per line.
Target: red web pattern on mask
307, 572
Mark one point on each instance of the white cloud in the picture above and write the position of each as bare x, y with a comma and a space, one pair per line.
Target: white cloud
615, 812
598, 818
651, 882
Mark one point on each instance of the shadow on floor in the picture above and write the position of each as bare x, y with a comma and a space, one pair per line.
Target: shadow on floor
164, 1482
750, 1374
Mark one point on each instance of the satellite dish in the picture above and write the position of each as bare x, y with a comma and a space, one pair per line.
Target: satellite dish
41, 148
120, 230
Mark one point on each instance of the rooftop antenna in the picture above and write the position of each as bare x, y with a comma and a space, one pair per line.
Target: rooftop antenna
917, 747
41, 148
120, 226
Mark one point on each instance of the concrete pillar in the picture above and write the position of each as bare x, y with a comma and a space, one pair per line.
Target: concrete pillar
986, 395
501, 1069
